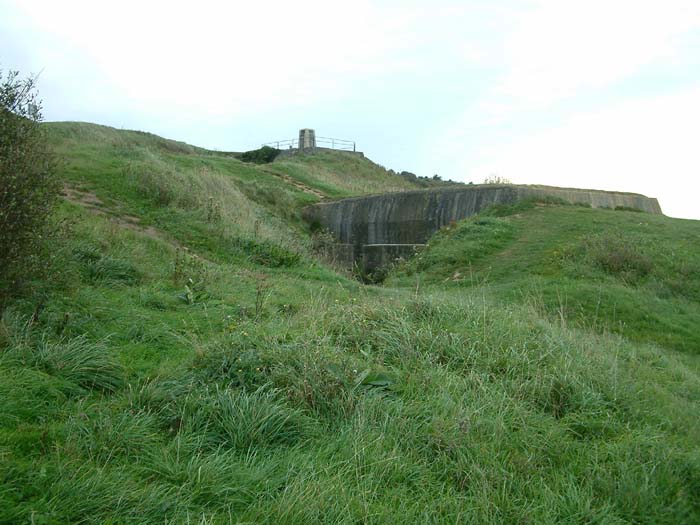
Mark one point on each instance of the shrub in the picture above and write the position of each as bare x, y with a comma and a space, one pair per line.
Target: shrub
28, 184
264, 155
496, 179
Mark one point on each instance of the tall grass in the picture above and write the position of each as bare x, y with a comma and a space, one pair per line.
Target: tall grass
213, 194
342, 174
451, 410
609, 270
293, 395
86, 363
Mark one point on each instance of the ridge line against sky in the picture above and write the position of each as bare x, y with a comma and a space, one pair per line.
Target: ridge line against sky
598, 94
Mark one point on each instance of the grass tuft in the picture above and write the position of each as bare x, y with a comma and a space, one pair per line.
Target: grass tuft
85, 363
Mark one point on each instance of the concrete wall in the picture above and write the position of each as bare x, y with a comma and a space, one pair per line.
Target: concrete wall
412, 217
295, 151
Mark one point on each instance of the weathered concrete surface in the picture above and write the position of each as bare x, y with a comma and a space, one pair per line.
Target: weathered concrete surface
410, 218
296, 151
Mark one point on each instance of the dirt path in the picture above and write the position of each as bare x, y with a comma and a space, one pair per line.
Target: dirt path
96, 206
297, 184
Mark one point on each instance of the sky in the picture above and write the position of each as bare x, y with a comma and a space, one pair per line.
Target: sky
600, 94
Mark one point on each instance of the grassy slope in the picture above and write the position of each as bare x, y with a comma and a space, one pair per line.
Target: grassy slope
342, 174
622, 271
208, 200
159, 386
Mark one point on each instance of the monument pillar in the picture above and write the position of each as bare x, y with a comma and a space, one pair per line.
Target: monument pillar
307, 139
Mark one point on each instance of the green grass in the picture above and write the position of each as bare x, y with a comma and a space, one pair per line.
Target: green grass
339, 174
241, 381
633, 274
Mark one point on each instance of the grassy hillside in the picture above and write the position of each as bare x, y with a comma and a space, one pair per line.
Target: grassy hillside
622, 271
340, 174
241, 381
207, 200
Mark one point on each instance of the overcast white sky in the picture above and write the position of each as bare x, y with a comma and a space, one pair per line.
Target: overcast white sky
580, 93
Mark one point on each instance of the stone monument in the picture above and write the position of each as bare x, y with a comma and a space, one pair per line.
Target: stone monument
307, 139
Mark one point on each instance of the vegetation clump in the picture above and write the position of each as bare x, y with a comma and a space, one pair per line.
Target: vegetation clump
28, 183
618, 256
263, 155
427, 182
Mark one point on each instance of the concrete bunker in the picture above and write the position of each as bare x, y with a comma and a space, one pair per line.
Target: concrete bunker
375, 230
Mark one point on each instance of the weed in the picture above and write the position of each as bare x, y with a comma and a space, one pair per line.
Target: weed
262, 294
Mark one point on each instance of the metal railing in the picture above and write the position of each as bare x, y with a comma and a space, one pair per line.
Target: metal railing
283, 144
342, 144
321, 142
